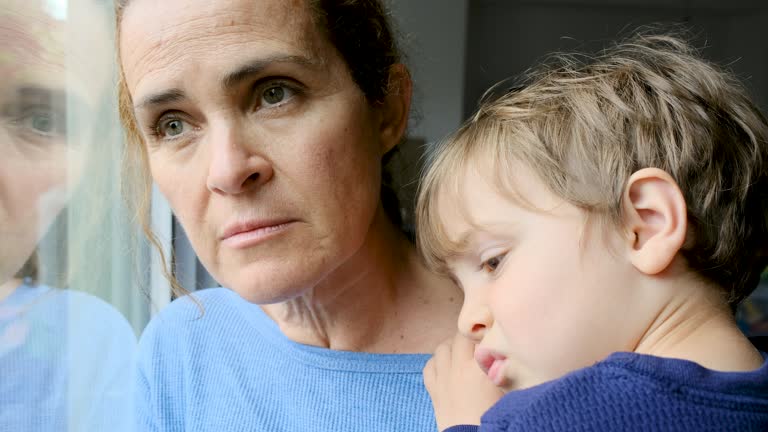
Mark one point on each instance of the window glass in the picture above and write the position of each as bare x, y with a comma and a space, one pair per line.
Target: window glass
71, 302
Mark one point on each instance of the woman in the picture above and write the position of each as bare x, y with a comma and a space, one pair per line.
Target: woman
65, 356
264, 123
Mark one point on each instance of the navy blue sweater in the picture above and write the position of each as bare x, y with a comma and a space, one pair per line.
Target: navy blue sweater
634, 392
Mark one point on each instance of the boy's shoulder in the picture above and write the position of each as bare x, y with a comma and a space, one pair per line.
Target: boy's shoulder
634, 392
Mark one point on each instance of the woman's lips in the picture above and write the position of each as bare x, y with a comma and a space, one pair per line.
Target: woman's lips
492, 364
244, 235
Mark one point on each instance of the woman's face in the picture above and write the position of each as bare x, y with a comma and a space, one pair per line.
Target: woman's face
266, 149
38, 158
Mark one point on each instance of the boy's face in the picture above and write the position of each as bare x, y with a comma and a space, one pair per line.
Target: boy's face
544, 295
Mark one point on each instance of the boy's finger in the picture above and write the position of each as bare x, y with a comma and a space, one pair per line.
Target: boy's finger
429, 367
442, 356
463, 348
428, 373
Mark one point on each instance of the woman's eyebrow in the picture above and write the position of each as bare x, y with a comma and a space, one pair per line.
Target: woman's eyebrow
43, 95
54, 97
230, 81
162, 98
256, 67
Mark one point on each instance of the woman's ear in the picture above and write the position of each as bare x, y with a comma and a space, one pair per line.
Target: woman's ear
656, 218
395, 108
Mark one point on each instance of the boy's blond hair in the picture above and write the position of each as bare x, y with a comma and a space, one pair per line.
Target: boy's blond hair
583, 125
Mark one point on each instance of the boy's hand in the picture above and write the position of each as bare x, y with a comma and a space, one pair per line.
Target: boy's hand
460, 391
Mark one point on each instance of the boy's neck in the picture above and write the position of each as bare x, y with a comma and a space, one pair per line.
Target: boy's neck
696, 325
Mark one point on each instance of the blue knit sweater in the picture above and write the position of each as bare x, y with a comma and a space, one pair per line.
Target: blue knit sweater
66, 363
633, 392
231, 369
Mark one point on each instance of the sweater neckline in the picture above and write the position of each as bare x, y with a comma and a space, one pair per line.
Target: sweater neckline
686, 373
324, 358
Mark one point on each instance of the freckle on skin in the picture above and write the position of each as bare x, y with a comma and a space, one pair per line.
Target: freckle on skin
450, 299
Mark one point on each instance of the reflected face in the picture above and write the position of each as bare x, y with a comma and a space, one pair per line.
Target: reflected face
32, 130
36, 90
542, 296
266, 149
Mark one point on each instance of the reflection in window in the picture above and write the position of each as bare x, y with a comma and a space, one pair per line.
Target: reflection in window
70, 303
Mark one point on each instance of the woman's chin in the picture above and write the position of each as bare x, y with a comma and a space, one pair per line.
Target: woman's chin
266, 296
263, 286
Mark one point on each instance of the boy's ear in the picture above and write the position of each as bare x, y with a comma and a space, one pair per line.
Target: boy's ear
656, 218
395, 108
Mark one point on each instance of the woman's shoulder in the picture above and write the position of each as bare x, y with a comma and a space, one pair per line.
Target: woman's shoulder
75, 311
198, 330
198, 305
58, 324
90, 313
205, 309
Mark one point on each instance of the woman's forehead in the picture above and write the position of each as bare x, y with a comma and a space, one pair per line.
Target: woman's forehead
45, 48
173, 37
30, 34
174, 16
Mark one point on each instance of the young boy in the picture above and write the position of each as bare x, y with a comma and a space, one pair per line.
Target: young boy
603, 221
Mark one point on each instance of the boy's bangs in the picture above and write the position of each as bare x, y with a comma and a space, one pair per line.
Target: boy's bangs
439, 187
484, 146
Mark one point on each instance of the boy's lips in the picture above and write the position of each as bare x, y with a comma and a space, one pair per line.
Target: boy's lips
492, 363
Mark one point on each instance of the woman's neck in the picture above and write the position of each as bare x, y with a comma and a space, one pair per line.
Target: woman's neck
381, 300
696, 325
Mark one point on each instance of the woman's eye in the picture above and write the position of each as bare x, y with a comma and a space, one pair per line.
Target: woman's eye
490, 265
44, 122
171, 128
276, 94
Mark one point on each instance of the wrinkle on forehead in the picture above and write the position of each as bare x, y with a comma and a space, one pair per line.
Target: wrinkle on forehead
27, 37
153, 41
36, 48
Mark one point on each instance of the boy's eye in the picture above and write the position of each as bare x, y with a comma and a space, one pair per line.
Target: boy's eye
490, 265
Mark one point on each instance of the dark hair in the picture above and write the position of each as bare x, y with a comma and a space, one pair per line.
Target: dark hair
362, 33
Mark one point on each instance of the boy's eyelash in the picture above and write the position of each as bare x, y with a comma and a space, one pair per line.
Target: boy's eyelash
485, 266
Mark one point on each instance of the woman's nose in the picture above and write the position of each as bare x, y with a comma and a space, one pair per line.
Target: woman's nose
475, 318
236, 166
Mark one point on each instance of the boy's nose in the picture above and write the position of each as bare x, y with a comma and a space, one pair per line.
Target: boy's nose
474, 320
